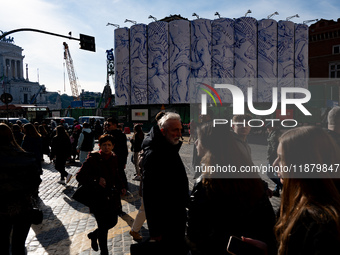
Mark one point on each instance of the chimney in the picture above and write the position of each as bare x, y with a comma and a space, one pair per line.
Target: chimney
26, 72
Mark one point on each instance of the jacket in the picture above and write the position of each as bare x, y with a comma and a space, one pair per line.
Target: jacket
19, 179
97, 166
212, 219
86, 140
165, 186
61, 147
310, 236
120, 148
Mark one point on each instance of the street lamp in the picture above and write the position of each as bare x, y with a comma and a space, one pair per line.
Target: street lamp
249, 11
217, 14
271, 15
294, 16
308, 21
152, 17
110, 24
194, 14
132, 21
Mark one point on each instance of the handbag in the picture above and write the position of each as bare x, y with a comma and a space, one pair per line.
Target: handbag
146, 248
84, 195
36, 215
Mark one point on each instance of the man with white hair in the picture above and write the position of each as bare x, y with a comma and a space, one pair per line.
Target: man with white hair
334, 124
165, 185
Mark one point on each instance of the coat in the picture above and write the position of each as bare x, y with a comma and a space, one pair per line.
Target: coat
98, 166
165, 186
212, 219
19, 180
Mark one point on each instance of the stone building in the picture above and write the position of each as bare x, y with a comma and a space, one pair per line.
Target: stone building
12, 78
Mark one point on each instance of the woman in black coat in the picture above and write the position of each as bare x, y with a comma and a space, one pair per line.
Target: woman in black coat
19, 180
32, 142
61, 150
100, 173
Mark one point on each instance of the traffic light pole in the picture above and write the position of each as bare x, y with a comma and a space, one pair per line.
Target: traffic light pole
36, 30
86, 42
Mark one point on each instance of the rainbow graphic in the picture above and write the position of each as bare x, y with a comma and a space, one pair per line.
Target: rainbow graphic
209, 93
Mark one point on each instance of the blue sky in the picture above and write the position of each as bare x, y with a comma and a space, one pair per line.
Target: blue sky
44, 53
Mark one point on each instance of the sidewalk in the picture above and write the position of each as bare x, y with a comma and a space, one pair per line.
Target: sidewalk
66, 222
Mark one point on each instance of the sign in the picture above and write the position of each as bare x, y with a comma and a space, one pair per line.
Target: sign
76, 104
139, 115
89, 103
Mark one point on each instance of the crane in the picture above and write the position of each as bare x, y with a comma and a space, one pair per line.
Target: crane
71, 74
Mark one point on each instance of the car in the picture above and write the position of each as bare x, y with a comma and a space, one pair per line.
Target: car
14, 120
83, 119
68, 120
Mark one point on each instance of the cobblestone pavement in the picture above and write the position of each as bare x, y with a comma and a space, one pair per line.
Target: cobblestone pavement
66, 222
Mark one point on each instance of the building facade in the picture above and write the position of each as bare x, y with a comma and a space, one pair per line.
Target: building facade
324, 63
12, 78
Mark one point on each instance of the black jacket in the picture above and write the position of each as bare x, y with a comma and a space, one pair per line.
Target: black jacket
19, 179
120, 148
213, 218
165, 186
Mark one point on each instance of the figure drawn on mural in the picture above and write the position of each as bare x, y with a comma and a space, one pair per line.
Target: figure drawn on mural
222, 59
122, 80
267, 59
158, 80
138, 65
201, 50
301, 45
200, 54
246, 54
180, 62
285, 51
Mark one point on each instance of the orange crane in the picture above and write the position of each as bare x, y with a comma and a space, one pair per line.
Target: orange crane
71, 74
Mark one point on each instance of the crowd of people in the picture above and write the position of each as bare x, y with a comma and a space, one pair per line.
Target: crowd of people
198, 221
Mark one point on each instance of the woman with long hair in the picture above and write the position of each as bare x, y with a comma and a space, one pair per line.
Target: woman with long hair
32, 142
19, 180
309, 221
61, 151
136, 146
45, 141
239, 198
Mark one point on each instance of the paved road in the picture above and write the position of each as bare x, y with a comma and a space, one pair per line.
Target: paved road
66, 222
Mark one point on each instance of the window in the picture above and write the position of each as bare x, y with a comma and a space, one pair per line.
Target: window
334, 70
336, 49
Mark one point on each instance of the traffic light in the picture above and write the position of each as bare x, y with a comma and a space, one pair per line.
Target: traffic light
87, 42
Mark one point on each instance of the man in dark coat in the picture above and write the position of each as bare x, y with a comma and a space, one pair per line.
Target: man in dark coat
165, 184
120, 149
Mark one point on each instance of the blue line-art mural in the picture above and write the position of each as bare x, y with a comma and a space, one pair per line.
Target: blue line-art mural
285, 51
167, 63
200, 55
122, 67
267, 59
246, 54
301, 57
179, 56
222, 55
158, 63
138, 64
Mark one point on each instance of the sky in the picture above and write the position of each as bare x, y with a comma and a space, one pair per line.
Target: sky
44, 53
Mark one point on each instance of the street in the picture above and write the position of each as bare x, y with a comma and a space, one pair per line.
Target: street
66, 222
